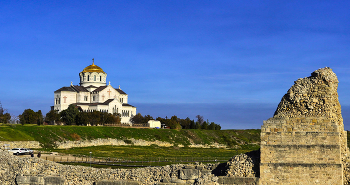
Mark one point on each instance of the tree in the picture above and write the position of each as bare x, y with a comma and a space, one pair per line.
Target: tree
112, 119
217, 127
40, 119
200, 119
4, 117
82, 118
28, 117
68, 116
212, 126
137, 119
14, 119
177, 123
204, 126
52, 116
197, 126
95, 117
117, 117
2, 110
185, 123
193, 125
172, 124
146, 118
174, 118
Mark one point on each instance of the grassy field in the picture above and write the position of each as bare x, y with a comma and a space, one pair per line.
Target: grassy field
137, 156
142, 152
47, 135
238, 141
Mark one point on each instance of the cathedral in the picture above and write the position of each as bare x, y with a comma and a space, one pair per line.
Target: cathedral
93, 94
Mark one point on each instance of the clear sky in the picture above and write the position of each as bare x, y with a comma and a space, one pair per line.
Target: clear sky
229, 61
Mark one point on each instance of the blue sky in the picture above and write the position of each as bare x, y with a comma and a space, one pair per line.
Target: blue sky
229, 61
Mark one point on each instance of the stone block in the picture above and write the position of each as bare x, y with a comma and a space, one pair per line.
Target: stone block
54, 180
177, 181
188, 174
206, 172
30, 180
166, 180
239, 180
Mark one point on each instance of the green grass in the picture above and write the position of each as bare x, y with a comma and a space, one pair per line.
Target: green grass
48, 135
142, 152
8, 133
137, 156
240, 141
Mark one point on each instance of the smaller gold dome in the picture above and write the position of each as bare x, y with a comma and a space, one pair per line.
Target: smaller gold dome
93, 68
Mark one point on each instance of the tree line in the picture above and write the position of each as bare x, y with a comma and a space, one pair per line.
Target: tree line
177, 123
5, 117
73, 115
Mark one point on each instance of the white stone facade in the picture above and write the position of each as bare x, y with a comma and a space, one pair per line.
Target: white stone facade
94, 95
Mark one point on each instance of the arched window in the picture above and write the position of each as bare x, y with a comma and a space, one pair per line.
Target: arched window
95, 78
100, 78
88, 78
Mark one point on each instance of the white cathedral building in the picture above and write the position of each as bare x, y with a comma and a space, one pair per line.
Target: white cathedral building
93, 94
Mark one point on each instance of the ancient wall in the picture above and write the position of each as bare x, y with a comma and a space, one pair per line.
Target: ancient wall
19, 144
135, 142
305, 141
101, 142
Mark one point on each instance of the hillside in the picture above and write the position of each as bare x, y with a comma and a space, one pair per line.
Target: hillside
48, 135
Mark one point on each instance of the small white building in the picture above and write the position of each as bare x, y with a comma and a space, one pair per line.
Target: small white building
154, 124
93, 94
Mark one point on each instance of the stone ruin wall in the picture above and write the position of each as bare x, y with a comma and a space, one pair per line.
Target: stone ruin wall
305, 141
100, 142
135, 142
19, 144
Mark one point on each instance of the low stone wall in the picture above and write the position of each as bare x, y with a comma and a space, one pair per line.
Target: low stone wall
20, 144
12, 166
239, 180
213, 145
100, 142
135, 142
109, 141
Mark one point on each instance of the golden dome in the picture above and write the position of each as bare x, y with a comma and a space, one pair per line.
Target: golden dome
93, 68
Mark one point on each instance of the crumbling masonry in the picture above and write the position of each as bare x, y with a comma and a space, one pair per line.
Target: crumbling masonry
305, 142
